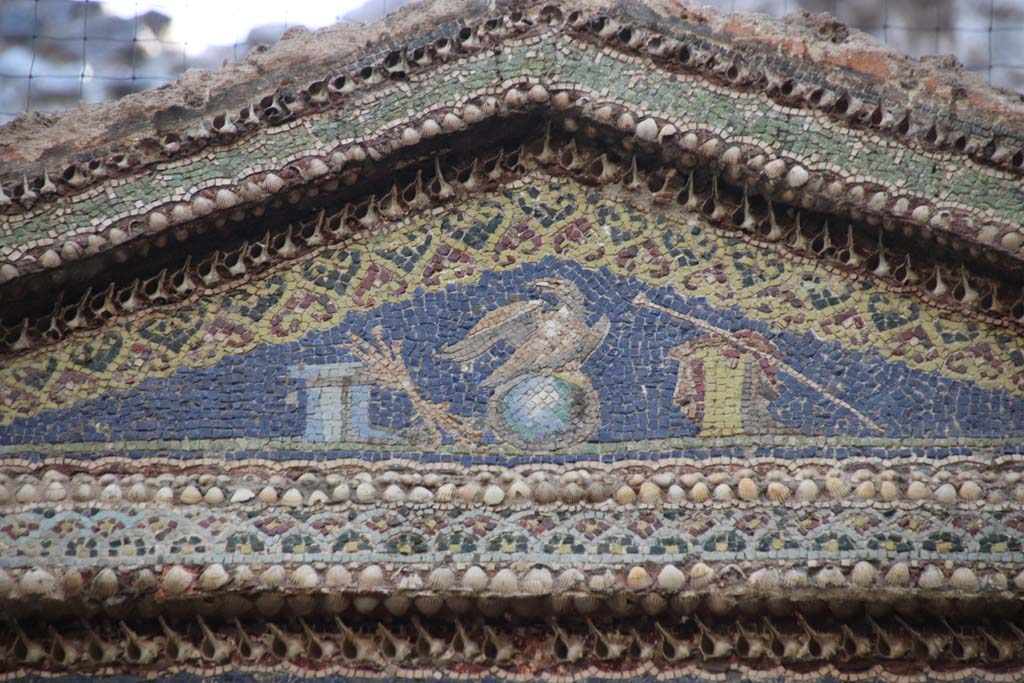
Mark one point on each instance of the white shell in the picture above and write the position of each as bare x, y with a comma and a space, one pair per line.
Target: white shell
177, 580
371, 577
797, 177
701, 576
647, 129
213, 577
748, 489
964, 579
305, 577
505, 582
931, 578
671, 579
475, 579
898, 575
337, 575
863, 574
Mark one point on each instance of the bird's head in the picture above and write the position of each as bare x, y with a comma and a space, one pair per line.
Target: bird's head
558, 288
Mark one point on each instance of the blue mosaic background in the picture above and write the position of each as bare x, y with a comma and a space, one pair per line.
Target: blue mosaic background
256, 394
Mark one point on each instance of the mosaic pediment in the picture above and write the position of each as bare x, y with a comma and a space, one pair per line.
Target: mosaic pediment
552, 345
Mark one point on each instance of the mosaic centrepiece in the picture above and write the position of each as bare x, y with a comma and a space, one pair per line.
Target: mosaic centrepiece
594, 393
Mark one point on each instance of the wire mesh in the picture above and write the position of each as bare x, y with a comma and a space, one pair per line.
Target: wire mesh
55, 54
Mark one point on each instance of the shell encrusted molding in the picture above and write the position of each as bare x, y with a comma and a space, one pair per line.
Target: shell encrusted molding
524, 341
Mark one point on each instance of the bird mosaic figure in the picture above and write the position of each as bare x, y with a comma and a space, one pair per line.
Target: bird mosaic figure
547, 337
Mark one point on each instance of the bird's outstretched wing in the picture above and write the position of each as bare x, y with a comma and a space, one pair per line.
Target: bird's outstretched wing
512, 323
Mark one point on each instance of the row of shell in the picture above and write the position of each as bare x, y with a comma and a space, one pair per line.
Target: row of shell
664, 185
282, 105
924, 128
785, 641
506, 582
717, 62
511, 487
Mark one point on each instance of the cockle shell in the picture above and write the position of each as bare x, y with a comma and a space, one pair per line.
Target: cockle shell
474, 579
177, 580
638, 579
213, 577
701, 576
964, 579
505, 582
777, 492
863, 574
898, 575
671, 579
371, 576
700, 492
747, 489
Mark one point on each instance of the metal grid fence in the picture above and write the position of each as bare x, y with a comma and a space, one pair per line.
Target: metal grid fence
55, 54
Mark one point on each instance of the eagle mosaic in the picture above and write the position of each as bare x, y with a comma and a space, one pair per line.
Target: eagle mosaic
549, 344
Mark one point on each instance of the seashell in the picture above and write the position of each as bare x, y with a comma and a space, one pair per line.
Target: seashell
215, 496
627, 123
723, 492
538, 581
701, 576
104, 584
863, 574
71, 251
889, 490
475, 579
964, 580
272, 577
676, 493
139, 650
765, 579
393, 493
292, 498
212, 647
970, 490
515, 98
420, 494
898, 575
213, 577
366, 492
441, 579
429, 128
774, 169
747, 489
410, 137
671, 579
493, 495
285, 646
190, 495
337, 575
602, 582
647, 130
8, 272
27, 493
918, 491
650, 493
538, 94
111, 493
450, 123
830, 576
305, 577
795, 578
163, 495
177, 580
713, 645
505, 582
807, 490
837, 486
931, 578
945, 494
797, 177
700, 492
370, 577
777, 491
638, 579
242, 495
267, 495
865, 490
545, 492
625, 495
921, 214
566, 648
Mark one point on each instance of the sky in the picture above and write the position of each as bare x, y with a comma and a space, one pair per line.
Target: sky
222, 22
